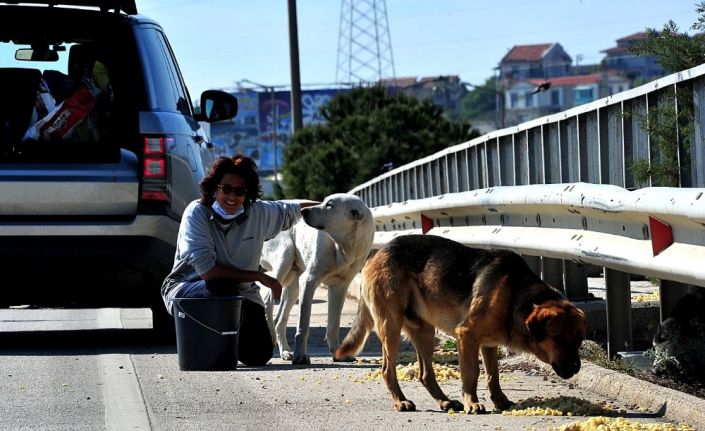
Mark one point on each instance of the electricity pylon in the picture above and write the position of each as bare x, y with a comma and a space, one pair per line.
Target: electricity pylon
364, 42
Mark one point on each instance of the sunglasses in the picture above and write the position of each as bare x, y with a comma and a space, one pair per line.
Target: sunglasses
227, 189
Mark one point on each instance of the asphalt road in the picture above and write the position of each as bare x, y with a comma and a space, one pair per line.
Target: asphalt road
99, 369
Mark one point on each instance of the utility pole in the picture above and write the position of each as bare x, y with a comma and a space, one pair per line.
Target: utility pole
296, 120
499, 99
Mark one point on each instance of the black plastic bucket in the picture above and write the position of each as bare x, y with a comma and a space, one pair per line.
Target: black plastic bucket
207, 332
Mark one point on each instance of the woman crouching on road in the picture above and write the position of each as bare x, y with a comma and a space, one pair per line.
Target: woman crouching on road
219, 246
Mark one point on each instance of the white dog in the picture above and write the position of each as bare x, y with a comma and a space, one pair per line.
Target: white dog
329, 246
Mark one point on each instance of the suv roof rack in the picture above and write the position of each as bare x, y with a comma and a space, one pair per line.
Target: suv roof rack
127, 6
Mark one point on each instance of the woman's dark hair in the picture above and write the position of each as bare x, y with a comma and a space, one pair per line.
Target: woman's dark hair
238, 165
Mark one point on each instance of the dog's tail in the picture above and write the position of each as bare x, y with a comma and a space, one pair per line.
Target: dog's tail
360, 330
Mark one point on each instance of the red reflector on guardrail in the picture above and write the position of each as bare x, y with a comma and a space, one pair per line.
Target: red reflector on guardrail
426, 224
661, 235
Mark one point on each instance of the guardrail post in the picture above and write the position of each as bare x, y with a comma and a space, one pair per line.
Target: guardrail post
697, 149
534, 263
670, 293
552, 272
576, 285
619, 312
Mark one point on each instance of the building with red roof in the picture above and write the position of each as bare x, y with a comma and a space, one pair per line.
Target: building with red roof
540, 79
444, 90
531, 98
635, 67
534, 61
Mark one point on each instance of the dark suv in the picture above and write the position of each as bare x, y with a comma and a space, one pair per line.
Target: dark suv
100, 152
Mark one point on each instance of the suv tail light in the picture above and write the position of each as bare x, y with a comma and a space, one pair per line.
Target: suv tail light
154, 177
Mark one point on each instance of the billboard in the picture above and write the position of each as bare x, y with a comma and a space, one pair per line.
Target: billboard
274, 128
262, 127
240, 135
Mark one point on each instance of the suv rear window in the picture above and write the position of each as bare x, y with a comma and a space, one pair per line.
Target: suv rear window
79, 108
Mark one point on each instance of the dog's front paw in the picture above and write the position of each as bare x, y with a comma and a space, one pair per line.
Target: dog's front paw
475, 408
405, 406
454, 405
502, 403
286, 355
302, 360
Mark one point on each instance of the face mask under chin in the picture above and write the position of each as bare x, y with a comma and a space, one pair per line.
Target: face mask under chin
224, 214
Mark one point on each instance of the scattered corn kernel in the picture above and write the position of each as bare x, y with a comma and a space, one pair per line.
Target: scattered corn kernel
558, 406
443, 372
411, 372
601, 423
647, 297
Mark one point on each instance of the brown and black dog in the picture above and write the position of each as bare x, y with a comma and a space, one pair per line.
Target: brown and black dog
417, 283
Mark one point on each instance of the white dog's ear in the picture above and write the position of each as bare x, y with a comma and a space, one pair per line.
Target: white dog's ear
356, 215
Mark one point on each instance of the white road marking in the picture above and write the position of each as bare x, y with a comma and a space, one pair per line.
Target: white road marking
109, 318
125, 408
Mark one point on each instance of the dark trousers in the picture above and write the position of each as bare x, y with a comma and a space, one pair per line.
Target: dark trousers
254, 340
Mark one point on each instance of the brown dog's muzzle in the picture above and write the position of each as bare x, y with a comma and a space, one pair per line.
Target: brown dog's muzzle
566, 369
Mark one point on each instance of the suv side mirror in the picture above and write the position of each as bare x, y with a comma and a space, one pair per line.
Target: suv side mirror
217, 105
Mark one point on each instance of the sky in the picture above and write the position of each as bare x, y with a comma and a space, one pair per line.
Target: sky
219, 43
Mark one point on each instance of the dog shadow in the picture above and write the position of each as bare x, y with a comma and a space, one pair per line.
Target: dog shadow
318, 348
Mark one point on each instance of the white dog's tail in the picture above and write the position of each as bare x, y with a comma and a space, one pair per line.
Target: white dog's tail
360, 330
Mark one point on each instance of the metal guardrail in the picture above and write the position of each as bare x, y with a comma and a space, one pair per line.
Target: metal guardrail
658, 232
594, 143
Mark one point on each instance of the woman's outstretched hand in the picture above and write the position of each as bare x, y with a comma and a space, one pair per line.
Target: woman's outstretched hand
273, 284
